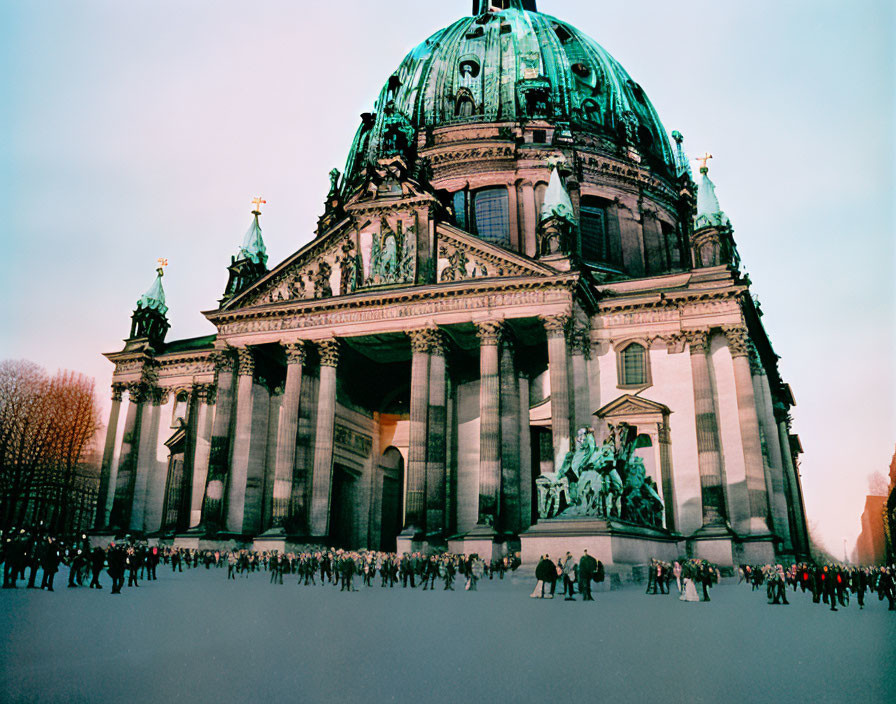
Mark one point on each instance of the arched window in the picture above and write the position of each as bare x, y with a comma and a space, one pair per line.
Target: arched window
600, 239
492, 213
633, 369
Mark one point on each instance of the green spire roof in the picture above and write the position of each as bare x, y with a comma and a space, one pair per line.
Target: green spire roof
154, 298
253, 247
556, 199
709, 212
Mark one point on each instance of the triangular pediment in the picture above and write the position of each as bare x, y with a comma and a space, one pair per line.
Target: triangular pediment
315, 271
462, 256
384, 241
629, 405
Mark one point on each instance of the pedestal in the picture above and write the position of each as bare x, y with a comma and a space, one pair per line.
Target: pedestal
620, 546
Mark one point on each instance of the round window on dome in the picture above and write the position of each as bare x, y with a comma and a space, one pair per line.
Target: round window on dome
469, 68
581, 70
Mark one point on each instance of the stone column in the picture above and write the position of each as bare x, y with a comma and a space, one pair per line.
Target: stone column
146, 459
509, 510
580, 347
513, 212
709, 459
415, 507
205, 398
242, 438
525, 455
107, 475
157, 463
800, 534
530, 220
489, 422
775, 478
287, 431
666, 474
322, 473
219, 456
437, 448
738, 344
558, 365
127, 462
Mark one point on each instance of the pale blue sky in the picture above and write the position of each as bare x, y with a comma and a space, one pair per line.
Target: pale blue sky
134, 130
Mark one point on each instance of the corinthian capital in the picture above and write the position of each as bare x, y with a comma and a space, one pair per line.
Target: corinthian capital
329, 353
698, 341
223, 361
738, 340
246, 361
555, 325
295, 353
136, 392
489, 332
117, 390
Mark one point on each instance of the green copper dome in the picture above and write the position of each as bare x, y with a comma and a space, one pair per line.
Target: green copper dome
509, 65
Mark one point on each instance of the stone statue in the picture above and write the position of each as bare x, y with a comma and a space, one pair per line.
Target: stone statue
605, 481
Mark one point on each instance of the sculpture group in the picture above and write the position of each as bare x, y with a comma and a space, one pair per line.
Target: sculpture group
606, 481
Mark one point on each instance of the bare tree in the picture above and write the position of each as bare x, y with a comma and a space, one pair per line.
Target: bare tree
47, 426
878, 484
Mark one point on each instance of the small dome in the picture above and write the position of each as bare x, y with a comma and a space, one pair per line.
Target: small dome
507, 66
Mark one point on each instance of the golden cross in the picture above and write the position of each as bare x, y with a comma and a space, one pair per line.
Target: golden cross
258, 202
162, 262
703, 159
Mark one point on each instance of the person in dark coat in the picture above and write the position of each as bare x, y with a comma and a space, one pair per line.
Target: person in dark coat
49, 563
117, 563
545, 573
588, 566
97, 561
77, 564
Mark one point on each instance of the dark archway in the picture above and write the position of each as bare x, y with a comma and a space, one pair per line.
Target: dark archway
392, 499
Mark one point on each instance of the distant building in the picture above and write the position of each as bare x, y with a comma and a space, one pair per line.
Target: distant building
871, 544
516, 251
890, 520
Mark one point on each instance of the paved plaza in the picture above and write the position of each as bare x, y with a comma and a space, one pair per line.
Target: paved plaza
195, 637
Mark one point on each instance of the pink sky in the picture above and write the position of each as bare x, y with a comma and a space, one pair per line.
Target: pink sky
143, 129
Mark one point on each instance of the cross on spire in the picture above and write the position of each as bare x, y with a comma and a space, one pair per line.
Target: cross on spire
258, 202
162, 262
703, 161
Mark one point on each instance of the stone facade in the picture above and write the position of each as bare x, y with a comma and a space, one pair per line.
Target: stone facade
405, 377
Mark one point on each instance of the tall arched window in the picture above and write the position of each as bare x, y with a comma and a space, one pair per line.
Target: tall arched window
633, 369
492, 212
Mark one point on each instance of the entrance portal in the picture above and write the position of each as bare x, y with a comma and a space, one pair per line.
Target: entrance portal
392, 508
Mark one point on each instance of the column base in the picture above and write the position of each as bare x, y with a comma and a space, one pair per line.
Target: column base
101, 537
757, 550
410, 540
719, 550
480, 541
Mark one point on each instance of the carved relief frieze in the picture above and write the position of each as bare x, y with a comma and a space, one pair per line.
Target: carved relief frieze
483, 153
461, 261
398, 307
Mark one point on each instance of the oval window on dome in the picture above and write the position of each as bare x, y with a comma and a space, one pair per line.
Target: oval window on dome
581, 70
469, 68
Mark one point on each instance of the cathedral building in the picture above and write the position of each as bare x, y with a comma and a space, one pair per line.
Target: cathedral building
519, 322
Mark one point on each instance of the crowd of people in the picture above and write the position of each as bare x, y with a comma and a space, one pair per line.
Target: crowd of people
25, 555
23, 551
830, 584
687, 576
575, 574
